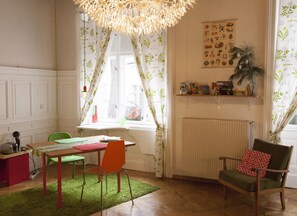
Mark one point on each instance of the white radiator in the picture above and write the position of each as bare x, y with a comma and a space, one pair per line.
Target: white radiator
204, 140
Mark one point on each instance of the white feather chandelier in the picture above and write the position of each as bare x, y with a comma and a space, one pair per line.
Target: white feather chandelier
135, 17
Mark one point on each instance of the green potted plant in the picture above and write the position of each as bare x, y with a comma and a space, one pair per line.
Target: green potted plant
246, 69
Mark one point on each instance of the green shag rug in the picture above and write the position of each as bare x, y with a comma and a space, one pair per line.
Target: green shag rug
32, 202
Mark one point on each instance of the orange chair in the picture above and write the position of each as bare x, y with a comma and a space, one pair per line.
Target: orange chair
113, 162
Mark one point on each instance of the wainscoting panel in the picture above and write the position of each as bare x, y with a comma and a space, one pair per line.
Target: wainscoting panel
28, 104
52, 98
42, 99
67, 98
22, 100
3, 100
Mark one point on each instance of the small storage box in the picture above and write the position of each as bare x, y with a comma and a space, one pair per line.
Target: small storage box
9, 148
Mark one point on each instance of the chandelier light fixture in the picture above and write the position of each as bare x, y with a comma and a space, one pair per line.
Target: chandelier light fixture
135, 17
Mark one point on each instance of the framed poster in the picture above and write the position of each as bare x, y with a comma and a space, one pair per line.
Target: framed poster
218, 39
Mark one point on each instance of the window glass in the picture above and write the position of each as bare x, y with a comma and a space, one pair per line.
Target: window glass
120, 96
294, 120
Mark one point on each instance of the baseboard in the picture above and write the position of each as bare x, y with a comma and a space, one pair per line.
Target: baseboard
191, 178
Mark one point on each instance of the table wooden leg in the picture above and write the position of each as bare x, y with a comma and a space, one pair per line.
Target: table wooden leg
119, 181
44, 174
59, 182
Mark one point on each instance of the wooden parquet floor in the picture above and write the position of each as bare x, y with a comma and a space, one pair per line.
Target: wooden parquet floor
181, 198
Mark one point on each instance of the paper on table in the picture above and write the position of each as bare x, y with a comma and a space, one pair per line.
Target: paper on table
71, 140
110, 139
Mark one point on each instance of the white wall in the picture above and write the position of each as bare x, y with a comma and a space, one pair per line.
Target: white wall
66, 35
186, 65
28, 80
29, 39
27, 36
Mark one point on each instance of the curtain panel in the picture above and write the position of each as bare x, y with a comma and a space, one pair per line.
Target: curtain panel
150, 57
285, 77
94, 43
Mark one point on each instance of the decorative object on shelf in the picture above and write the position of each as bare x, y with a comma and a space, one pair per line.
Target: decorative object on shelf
224, 87
205, 89
239, 92
192, 88
246, 69
135, 17
183, 88
218, 39
189, 88
214, 90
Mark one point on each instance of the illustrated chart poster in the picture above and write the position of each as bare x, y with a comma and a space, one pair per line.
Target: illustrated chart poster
218, 39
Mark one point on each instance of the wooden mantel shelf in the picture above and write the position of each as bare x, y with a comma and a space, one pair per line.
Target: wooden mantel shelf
230, 96
220, 98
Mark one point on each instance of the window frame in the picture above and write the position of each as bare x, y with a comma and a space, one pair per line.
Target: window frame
120, 110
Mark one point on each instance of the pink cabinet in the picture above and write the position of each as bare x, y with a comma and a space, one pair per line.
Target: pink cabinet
14, 168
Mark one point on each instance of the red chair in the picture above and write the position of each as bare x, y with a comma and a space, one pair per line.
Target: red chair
113, 162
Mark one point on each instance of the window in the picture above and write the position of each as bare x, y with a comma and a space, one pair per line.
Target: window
120, 97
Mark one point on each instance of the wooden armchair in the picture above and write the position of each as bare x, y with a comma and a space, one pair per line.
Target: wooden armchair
273, 182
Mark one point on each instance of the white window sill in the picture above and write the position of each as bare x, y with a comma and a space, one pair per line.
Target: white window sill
114, 126
290, 127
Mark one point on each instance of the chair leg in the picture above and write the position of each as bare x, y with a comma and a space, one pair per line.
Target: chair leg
129, 186
84, 168
73, 169
82, 189
101, 201
106, 183
225, 195
256, 204
282, 197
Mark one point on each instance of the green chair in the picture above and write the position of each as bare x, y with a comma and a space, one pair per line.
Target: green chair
65, 159
273, 182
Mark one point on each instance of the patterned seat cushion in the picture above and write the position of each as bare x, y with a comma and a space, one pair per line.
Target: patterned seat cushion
254, 159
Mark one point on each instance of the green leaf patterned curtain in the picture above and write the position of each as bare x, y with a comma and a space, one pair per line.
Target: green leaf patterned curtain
150, 56
94, 43
285, 78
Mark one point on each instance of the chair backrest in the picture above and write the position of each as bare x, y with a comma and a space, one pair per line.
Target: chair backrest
58, 135
114, 157
280, 156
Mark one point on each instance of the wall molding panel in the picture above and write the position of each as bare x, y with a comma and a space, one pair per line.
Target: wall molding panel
28, 104
3, 100
22, 100
27, 95
68, 103
31, 72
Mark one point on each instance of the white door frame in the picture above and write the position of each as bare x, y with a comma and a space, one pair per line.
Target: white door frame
289, 138
289, 134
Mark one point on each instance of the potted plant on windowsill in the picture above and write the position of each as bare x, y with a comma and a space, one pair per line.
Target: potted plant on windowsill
246, 69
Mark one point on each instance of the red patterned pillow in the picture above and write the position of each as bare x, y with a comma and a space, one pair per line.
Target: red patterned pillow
254, 159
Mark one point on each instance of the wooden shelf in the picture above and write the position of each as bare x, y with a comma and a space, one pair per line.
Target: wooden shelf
230, 96
221, 98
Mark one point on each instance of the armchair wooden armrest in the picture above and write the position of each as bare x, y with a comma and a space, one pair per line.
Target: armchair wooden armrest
225, 161
229, 158
257, 170
269, 170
